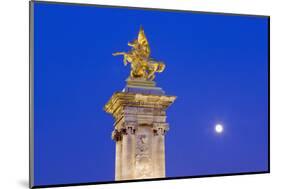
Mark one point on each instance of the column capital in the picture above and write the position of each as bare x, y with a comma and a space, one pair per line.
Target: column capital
129, 128
160, 128
116, 135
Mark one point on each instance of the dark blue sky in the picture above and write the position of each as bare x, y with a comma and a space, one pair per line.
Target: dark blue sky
216, 66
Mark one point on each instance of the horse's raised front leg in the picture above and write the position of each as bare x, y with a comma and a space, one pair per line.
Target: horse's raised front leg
125, 60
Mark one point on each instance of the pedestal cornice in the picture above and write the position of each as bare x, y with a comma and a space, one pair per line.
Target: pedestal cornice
120, 100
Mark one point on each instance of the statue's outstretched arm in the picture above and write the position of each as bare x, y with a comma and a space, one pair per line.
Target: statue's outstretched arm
119, 53
122, 53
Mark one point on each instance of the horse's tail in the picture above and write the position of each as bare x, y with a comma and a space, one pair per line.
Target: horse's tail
161, 67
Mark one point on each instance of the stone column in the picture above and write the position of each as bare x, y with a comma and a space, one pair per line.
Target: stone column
128, 153
117, 136
158, 152
118, 163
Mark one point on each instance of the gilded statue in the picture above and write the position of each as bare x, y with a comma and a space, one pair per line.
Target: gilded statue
142, 65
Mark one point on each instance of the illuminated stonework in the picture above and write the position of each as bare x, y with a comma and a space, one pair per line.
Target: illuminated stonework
140, 116
139, 129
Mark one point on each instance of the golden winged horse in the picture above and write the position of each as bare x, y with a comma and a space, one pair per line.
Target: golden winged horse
142, 66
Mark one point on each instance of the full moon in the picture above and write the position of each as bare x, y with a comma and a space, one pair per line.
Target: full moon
219, 128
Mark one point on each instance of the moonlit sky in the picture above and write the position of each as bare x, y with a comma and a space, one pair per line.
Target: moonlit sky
215, 64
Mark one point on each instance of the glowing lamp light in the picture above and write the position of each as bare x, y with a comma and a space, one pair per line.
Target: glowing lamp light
218, 128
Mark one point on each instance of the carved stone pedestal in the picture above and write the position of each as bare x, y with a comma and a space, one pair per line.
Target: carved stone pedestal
139, 130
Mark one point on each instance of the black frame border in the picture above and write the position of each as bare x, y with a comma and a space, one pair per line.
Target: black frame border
31, 95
